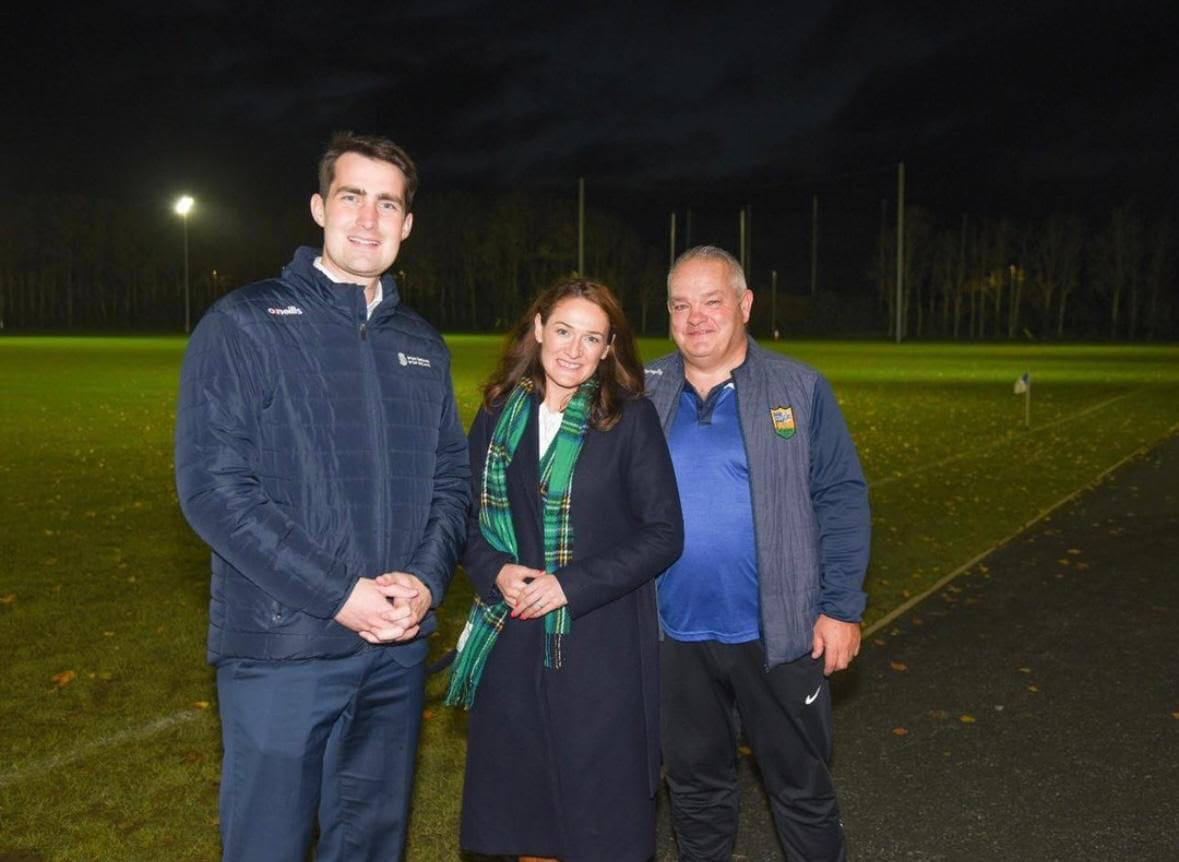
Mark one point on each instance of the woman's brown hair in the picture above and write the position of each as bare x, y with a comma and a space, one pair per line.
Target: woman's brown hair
620, 374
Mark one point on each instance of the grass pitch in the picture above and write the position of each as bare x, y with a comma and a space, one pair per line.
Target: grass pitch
108, 734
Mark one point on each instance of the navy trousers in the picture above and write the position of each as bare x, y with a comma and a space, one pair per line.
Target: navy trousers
335, 737
785, 716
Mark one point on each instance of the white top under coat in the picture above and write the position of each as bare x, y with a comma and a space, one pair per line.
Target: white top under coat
547, 423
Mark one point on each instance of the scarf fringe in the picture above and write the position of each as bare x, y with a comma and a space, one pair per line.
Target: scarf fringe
484, 623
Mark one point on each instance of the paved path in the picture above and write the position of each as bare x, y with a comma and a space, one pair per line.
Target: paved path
1028, 711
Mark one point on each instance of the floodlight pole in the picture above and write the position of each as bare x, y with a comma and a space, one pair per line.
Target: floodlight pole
774, 304
900, 243
581, 226
671, 242
814, 244
182, 208
187, 315
741, 237
749, 244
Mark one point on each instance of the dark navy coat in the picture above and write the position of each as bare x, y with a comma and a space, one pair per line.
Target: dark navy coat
566, 762
315, 447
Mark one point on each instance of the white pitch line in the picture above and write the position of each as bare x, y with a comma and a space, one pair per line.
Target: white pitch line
896, 477
131, 734
898, 611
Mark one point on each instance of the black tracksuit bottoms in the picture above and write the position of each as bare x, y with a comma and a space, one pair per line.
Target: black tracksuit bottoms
785, 716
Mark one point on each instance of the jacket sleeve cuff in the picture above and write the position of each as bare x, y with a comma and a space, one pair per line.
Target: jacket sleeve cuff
846, 606
437, 589
332, 605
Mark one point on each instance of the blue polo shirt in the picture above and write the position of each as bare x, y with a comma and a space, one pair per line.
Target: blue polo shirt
711, 592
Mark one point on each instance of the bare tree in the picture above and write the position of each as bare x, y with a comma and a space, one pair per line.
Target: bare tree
1053, 268
1118, 264
1159, 273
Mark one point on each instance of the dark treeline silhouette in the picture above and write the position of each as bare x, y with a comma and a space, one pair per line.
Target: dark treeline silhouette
77, 264
1056, 278
475, 261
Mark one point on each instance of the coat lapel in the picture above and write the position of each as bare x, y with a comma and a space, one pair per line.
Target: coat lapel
524, 478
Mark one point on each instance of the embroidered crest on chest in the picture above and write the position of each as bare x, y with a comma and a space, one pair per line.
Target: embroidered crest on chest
783, 418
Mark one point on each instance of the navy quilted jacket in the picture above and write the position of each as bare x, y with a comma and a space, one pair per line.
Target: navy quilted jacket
315, 447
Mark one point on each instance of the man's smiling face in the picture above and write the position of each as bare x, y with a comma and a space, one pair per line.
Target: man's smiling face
363, 218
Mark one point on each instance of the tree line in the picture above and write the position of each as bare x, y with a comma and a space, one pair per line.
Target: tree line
1056, 278
475, 262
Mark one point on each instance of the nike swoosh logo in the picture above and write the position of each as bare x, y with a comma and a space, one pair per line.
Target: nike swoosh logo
811, 698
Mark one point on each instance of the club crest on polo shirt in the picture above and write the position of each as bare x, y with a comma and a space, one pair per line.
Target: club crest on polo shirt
783, 421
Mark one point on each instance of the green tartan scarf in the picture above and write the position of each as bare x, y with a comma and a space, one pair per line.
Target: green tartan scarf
485, 620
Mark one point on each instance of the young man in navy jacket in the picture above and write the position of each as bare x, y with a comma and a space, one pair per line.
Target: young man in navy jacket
766, 600
318, 447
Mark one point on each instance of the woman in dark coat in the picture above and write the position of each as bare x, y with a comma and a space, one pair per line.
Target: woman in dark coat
563, 748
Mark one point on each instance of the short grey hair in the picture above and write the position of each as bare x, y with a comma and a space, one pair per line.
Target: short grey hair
712, 252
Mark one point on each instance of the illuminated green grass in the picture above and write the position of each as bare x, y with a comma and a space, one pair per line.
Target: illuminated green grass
99, 575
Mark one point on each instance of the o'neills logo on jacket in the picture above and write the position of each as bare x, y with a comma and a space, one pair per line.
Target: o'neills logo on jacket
290, 309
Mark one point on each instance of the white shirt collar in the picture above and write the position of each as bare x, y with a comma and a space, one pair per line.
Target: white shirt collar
378, 294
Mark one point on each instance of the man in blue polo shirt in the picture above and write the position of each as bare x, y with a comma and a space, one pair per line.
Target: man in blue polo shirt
766, 600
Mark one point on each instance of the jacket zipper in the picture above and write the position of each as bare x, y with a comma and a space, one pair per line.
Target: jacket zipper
375, 410
675, 405
765, 663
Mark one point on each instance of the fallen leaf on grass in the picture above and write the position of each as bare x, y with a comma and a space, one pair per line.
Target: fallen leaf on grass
1033, 689
1074, 551
938, 714
1025, 670
966, 719
898, 665
201, 704
427, 714
8, 599
64, 678
1064, 561
744, 750
899, 731
1175, 715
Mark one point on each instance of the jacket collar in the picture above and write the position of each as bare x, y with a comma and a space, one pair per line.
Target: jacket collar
302, 274
753, 360
754, 357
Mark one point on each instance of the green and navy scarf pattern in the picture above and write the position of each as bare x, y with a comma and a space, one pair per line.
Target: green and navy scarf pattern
486, 620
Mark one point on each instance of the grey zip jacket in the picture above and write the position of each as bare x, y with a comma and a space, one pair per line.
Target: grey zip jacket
811, 521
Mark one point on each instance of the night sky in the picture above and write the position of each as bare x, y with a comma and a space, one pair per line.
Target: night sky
996, 107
